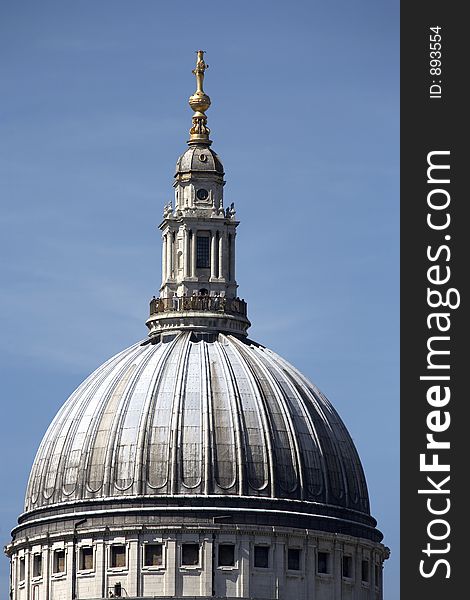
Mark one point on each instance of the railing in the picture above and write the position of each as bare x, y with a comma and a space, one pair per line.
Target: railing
217, 304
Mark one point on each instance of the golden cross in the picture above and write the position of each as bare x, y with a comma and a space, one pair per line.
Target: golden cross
199, 70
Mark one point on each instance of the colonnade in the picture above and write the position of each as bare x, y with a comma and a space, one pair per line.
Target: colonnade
222, 255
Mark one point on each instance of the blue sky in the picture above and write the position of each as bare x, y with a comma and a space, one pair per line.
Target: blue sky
305, 117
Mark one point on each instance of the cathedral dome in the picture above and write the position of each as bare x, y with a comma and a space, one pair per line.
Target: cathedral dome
199, 158
197, 463
202, 419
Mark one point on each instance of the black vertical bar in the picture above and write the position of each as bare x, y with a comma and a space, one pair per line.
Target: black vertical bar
434, 260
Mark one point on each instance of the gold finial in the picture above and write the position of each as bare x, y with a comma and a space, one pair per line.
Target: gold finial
199, 71
199, 102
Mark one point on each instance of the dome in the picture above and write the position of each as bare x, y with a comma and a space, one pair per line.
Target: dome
199, 158
213, 417
197, 463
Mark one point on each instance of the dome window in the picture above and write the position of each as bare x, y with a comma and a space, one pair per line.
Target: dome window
226, 555
59, 561
365, 571
293, 559
323, 563
261, 559
37, 565
190, 555
347, 567
118, 557
153, 555
22, 569
86, 558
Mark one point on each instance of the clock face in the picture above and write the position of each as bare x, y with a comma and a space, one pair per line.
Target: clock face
202, 194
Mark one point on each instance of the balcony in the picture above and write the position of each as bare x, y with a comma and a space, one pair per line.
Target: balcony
200, 303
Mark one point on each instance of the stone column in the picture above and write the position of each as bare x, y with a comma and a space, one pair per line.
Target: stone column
169, 246
244, 569
134, 567
27, 573
279, 568
193, 254
171, 571
381, 587
13, 576
47, 554
310, 568
173, 255
232, 258
69, 549
337, 573
207, 566
164, 259
213, 255
185, 253
100, 578
221, 256
358, 572
372, 576
14, 567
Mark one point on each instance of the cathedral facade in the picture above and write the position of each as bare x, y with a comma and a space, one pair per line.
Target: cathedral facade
197, 463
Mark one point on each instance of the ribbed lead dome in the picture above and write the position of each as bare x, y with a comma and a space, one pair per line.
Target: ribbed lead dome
189, 417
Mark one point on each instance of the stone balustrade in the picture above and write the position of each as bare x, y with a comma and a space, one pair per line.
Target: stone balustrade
217, 304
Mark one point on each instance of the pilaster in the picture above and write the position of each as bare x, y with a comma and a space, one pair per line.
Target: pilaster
47, 570
310, 569
100, 576
280, 567
372, 577
171, 568
358, 573
207, 567
337, 571
134, 567
244, 564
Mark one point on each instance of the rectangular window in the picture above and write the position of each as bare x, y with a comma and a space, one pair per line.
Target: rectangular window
22, 568
37, 565
59, 561
365, 571
190, 555
226, 555
347, 566
293, 559
261, 557
118, 556
153, 555
86, 558
202, 252
323, 562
